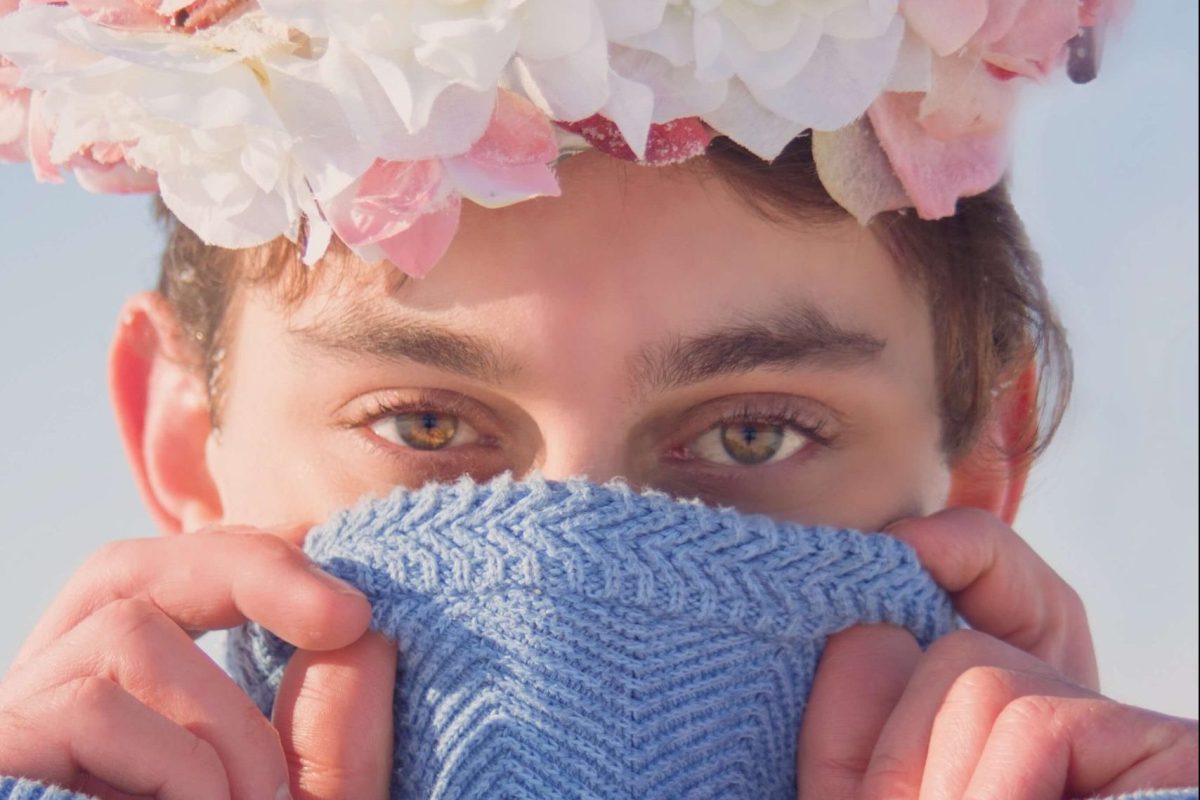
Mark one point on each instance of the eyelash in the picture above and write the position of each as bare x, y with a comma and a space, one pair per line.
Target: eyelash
783, 413
772, 410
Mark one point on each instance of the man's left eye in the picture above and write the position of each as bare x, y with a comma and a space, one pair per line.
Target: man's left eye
748, 443
425, 430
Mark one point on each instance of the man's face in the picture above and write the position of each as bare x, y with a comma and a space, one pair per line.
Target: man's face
647, 325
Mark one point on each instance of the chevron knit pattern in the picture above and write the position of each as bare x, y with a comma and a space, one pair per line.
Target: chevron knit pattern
568, 640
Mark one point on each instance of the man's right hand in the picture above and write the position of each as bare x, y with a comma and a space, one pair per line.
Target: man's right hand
110, 696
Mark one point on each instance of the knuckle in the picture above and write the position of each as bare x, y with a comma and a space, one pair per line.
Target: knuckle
91, 693
980, 682
1030, 710
130, 617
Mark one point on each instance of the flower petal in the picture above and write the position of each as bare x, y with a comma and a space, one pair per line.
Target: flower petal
386, 200
416, 250
495, 185
934, 173
518, 133
839, 82
744, 121
118, 178
945, 25
965, 98
856, 172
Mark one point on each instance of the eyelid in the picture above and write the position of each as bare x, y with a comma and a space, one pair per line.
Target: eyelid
366, 410
807, 416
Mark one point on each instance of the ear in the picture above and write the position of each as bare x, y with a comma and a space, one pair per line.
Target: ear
990, 476
161, 402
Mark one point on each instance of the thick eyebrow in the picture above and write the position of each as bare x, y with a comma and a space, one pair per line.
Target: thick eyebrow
790, 338
384, 336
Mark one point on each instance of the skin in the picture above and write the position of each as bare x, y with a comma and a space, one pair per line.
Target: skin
649, 270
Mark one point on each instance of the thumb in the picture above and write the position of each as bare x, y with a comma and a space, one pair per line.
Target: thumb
334, 716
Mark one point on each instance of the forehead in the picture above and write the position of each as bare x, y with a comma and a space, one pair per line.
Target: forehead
628, 255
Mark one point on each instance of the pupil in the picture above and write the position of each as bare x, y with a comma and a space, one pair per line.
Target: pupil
752, 443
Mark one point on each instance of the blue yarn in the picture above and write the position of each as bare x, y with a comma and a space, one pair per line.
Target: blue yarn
575, 640
566, 640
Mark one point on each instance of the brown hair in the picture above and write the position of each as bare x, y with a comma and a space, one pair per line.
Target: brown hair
977, 270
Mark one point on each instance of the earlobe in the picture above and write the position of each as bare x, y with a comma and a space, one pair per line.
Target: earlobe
992, 476
161, 404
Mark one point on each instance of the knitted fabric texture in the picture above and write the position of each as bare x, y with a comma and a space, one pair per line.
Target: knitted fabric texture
570, 640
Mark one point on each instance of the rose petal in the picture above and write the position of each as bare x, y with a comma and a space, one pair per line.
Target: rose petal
934, 173
839, 82
856, 172
40, 141
417, 250
744, 121
966, 98
945, 25
386, 200
494, 185
1036, 40
518, 133
14, 124
118, 178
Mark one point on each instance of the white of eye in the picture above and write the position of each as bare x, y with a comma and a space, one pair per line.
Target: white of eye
710, 446
408, 431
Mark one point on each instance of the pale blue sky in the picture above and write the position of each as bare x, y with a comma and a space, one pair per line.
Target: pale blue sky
1105, 177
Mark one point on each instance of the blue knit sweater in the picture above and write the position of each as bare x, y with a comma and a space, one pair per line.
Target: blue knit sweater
567, 640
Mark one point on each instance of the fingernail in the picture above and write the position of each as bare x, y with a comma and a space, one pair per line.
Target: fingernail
284, 793
337, 584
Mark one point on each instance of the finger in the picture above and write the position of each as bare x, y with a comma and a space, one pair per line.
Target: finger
133, 645
210, 580
965, 722
862, 675
92, 727
1003, 588
898, 760
1055, 746
334, 715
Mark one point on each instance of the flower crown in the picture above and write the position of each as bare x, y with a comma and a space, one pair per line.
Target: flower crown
374, 119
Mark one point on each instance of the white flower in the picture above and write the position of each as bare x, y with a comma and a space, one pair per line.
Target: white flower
763, 71
186, 107
417, 79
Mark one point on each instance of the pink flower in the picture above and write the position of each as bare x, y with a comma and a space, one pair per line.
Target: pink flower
101, 167
148, 15
407, 211
950, 140
14, 114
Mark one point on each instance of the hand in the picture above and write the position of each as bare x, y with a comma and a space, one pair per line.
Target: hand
111, 696
1006, 711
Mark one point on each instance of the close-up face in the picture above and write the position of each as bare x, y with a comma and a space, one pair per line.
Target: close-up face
649, 325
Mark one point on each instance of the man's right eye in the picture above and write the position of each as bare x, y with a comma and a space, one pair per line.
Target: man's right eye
424, 430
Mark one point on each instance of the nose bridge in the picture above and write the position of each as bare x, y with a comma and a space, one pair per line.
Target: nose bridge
583, 444
576, 459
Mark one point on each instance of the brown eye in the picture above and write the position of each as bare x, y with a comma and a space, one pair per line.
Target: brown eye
747, 443
751, 442
426, 430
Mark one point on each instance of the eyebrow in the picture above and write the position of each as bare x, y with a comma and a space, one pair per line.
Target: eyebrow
384, 336
793, 337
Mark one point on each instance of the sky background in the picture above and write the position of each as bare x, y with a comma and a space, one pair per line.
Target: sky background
1105, 176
